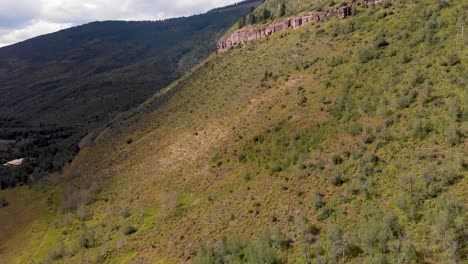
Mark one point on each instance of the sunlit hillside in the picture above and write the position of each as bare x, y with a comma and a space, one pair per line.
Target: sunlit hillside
339, 142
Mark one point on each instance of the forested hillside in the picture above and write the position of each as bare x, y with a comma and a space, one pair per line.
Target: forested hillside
338, 142
56, 88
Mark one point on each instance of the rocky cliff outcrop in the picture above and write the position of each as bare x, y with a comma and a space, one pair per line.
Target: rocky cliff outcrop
252, 33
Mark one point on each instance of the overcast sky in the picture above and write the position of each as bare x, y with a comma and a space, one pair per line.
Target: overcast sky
24, 19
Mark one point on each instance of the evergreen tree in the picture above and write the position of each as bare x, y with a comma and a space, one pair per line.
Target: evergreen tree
282, 10
242, 22
266, 14
252, 19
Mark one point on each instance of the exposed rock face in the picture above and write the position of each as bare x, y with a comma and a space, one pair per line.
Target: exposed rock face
252, 33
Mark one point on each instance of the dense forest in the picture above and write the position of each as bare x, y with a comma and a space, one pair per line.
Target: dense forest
45, 149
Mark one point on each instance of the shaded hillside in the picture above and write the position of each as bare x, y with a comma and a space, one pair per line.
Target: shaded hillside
77, 79
343, 142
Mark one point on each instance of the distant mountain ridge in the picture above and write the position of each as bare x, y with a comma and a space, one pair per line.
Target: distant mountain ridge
239, 4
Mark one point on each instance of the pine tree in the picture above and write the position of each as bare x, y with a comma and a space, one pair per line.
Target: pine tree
242, 22
282, 10
252, 19
266, 14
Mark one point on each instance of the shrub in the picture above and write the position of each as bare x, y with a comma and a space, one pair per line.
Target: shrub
448, 225
3, 202
407, 182
355, 129
258, 139
337, 179
126, 214
344, 28
300, 193
261, 252
345, 108
303, 101
274, 168
415, 78
337, 159
57, 252
421, 128
453, 108
279, 239
425, 95
368, 138
367, 169
376, 233
239, 250
453, 59
404, 58
366, 54
451, 135
324, 214
244, 175
425, 34
335, 237
75, 197
87, 238
410, 204
374, 159
404, 101
206, 255
169, 202
312, 229
242, 157
130, 230
448, 176
334, 61
381, 42
353, 250
318, 201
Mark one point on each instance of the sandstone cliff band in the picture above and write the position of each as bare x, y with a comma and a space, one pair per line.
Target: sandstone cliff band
252, 33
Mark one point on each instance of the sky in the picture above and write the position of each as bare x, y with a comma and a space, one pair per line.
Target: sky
24, 19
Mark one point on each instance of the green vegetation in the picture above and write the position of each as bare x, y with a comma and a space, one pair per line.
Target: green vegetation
370, 168
130, 230
277, 9
239, 250
46, 149
87, 76
3, 202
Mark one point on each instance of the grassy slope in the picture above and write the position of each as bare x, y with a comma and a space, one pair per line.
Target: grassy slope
32, 210
247, 142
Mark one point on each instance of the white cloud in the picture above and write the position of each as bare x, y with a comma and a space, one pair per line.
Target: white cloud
16, 13
23, 19
36, 28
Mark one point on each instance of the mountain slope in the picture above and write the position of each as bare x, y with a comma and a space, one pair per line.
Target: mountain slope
342, 142
65, 84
